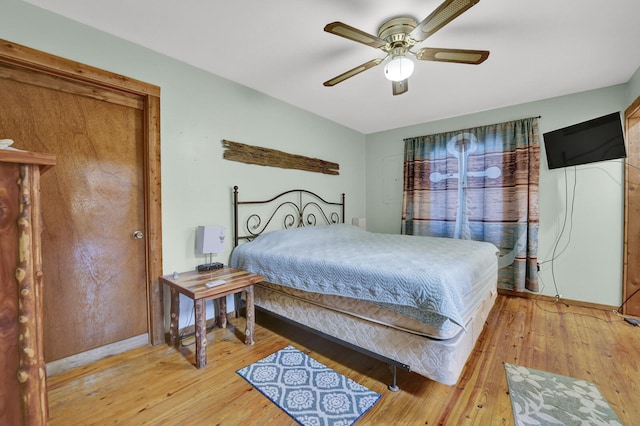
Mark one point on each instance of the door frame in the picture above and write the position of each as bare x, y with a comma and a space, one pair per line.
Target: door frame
100, 83
630, 274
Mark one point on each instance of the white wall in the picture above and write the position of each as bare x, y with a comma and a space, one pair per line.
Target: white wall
634, 87
198, 110
591, 267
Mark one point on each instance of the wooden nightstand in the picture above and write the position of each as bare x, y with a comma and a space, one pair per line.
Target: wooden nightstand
193, 284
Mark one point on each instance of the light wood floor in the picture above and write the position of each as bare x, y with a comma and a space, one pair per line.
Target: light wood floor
159, 385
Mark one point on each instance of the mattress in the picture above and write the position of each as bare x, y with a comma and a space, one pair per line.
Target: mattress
376, 313
439, 360
432, 280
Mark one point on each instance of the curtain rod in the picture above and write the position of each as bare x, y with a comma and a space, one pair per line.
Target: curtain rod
516, 119
461, 130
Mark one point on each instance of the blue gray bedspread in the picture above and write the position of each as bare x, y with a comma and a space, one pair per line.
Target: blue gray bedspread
412, 273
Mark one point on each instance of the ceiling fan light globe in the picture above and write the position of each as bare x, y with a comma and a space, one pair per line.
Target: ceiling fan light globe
399, 68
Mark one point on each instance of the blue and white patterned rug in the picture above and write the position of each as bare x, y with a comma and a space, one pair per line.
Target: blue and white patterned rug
541, 398
310, 392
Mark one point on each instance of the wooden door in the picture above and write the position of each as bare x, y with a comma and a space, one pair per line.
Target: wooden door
631, 273
96, 271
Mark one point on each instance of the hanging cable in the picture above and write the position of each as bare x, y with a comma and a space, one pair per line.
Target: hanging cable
568, 217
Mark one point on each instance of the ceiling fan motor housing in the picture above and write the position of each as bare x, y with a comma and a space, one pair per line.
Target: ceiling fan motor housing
395, 32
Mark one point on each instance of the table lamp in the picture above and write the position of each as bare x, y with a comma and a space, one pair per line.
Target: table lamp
209, 240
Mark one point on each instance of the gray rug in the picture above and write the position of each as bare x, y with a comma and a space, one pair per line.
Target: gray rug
310, 392
541, 398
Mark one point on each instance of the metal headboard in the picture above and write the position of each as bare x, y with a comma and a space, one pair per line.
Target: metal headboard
294, 208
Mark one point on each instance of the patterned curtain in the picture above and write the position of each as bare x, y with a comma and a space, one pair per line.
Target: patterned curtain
479, 184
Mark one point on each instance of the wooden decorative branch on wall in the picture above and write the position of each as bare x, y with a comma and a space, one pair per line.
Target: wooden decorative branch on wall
249, 154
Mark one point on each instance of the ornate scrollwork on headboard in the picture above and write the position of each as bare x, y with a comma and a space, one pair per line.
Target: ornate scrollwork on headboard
290, 209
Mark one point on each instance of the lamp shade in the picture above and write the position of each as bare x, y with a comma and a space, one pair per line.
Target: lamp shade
398, 68
210, 239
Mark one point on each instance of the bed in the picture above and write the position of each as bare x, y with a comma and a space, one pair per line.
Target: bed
417, 303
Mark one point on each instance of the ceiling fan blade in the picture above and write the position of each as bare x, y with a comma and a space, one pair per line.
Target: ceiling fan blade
351, 33
445, 13
357, 70
400, 87
460, 56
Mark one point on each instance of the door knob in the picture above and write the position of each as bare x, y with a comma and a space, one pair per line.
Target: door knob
138, 235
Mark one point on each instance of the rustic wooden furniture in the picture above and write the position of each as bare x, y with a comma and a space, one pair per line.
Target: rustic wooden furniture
193, 284
23, 388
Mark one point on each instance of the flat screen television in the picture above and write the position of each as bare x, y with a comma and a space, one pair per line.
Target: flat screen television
595, 140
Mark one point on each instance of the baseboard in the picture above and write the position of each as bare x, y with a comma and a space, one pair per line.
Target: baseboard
528, 295
73, 361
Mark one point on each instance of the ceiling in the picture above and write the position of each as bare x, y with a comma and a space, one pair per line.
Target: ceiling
539, 49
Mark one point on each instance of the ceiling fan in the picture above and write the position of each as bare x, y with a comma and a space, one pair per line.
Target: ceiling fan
397, 36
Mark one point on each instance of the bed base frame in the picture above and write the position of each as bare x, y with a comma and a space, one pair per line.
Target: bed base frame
298, 208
